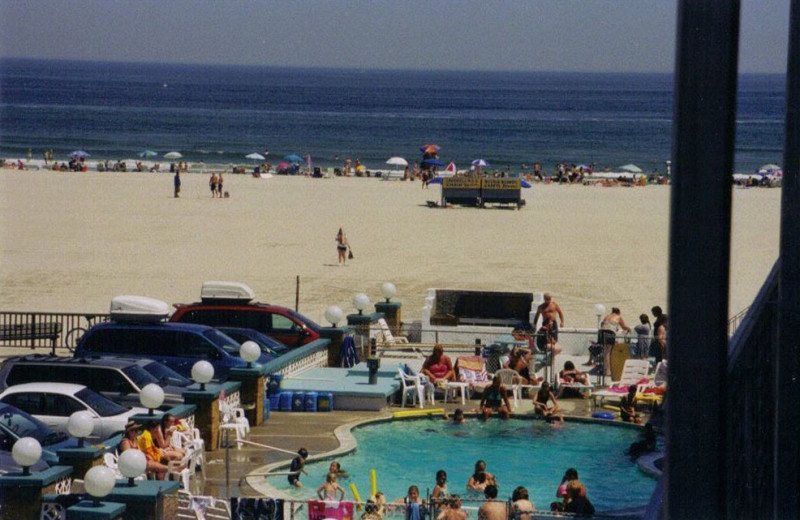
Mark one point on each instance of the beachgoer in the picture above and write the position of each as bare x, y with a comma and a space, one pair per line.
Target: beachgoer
452, 509
438, 367
176, 181
569, 476
297, 467
341, 246
335, 467
570, 374
164, 435
659, 318
492, 509
521, 507
374, 508
519, 360
643, 334
330, 488
156, 461
609, 327
550, 309
646, 444
495, 397
480, 477
627, 406
578, 504
458, 416
212, 183
129, 437
547, 337
661, 339
541, 406
440, 489
220, 181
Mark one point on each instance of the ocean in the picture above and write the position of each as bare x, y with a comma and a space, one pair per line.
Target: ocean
219, 114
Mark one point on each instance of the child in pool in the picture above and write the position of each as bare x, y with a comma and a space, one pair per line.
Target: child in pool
297, 467
330, 489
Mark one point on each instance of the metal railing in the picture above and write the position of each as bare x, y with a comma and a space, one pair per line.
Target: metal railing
53, 330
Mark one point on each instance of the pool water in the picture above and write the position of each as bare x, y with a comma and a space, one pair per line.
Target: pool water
518, 452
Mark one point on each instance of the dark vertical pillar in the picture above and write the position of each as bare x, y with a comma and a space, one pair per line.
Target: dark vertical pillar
787, 453
702, 160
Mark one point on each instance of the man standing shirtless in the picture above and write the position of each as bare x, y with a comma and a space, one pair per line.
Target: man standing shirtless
549, 309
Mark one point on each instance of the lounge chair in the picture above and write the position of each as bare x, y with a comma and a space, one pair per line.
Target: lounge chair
652, 392
633, 372
472, 374
385, 336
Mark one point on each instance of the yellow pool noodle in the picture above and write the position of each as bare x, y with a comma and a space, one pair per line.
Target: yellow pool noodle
415, 413
354, 489
374, 478
610, 407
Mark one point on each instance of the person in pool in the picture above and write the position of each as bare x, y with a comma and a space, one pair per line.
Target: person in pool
335, 467
480, 478
330, 488
297, 467
440, 489
541, 406
492, 509
521, 508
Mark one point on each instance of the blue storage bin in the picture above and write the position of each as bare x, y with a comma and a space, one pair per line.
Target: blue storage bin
265, 411
286, 401
325, 402
298, 404
274, 401
310, 401
274, 384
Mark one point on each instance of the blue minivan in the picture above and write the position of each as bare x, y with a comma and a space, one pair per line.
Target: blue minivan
177, 345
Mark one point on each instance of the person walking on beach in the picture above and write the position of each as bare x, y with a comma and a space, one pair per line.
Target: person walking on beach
177, 184
341, 246
219, 185
212, 183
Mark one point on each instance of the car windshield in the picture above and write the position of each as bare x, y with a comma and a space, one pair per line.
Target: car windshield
227, 343
165, 375
20, 424
139, 376
102, 406
268, 345
309, 323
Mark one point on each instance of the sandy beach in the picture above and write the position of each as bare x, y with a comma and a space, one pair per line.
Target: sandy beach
72, 241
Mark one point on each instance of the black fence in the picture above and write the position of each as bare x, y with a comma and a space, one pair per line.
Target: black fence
53, 330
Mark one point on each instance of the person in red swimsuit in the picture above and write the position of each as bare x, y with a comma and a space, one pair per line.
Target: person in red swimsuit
438, 366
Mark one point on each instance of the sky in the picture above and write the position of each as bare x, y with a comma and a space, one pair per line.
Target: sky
490, 35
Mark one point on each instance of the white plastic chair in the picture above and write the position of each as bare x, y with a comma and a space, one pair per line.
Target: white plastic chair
387, 336
195, 448
415, 385
232, 422
511, 379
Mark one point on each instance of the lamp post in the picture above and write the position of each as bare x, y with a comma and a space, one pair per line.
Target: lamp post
151, 397
99, 482
388, 290
132, 463
202, 372
360, 302
80, 425
26, 452
250, 352
334, 315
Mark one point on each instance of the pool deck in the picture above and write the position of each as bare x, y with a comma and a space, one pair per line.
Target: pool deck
315, 432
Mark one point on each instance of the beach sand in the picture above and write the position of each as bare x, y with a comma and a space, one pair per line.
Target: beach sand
72, 241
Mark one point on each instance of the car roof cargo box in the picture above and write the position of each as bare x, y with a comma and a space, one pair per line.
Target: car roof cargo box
138, 308
226, 291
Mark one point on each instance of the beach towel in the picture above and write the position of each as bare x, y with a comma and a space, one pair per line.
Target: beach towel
413, 512
256, 509
322, 509
472, 370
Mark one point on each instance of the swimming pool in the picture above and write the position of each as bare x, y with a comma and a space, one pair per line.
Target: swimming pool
518, 452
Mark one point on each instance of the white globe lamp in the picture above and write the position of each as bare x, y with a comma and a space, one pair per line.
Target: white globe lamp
99, 482
26, 452
151, 397
360, 302
388, 290
334, 315
599, 310
132, 463
202, 372
250, 352
80, 425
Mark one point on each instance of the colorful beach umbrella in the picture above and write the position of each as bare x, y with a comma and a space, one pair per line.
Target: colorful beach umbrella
172, 155
430, 148
293, 158
147, 153
768, 167
480, 162
79, 154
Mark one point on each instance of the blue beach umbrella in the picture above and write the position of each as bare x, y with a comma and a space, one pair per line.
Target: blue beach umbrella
293, 158
480, 162
147, 154
78, 154
432, 162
